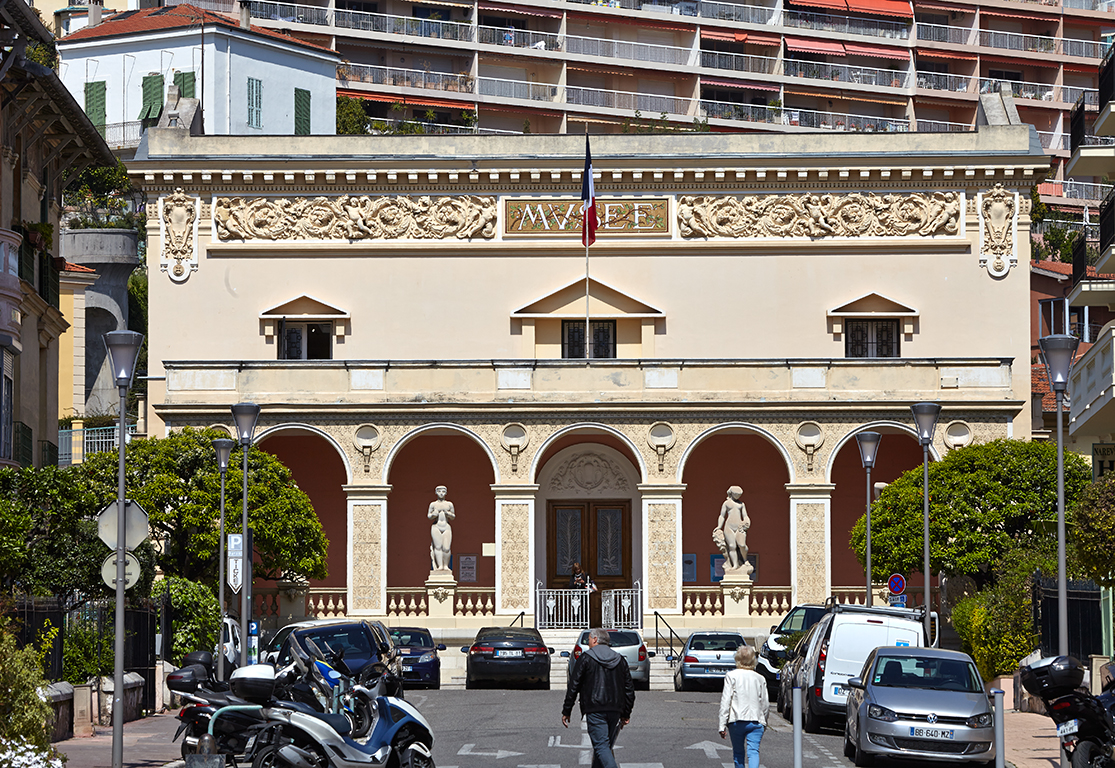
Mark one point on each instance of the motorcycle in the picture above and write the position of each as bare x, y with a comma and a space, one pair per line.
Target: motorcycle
1084, 722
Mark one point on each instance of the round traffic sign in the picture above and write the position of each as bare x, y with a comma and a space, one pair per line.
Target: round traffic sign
131, 570
896, 584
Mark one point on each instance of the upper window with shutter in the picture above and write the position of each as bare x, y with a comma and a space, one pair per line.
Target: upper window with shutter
255, 103
152, 98
95, 104
185, 83
301, 112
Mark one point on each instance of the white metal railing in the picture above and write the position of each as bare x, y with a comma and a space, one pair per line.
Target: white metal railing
622, 608
519, 38
942, 81
1088, 5
627, 101
1019, 89
93, 440
942, 33
1084, 190
738, 62
1052, 139
123, 135
561, 608
942, 126
517, 89
629, 51
804, 118
1071, 94
748, 14
846, 25
1014, 41
218, 6
816, 70
303, 14
406, 78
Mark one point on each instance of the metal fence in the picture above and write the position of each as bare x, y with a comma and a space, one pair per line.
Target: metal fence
1084, 626
622, 608
93, 440
561, 608
97, 618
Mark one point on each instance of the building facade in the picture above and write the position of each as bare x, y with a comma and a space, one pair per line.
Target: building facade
410, 312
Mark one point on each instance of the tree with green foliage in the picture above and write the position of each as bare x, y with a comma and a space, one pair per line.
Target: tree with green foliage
352, 120
137, 321
1093, 531
175, 479
195, 612
985, 502
103, 199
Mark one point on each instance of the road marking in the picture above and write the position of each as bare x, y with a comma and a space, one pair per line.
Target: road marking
499, 754
709, 747
823, 750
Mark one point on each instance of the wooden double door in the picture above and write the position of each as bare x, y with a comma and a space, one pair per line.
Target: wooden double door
596, 534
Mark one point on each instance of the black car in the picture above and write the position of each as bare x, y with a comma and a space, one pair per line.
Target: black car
508, 655
418, 655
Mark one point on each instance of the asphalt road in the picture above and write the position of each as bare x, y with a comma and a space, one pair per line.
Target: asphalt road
522, 729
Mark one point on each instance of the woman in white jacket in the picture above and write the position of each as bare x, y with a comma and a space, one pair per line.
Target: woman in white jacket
743, 708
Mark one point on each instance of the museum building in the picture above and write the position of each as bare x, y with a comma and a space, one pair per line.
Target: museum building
411, 312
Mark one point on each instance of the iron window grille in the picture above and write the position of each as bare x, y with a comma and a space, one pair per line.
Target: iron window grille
872, 338
305, 341
603, 342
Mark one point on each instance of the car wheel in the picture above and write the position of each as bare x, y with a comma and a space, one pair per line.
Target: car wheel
809, 721
436, 684
679, 685
469, 683
861, 758
849, 747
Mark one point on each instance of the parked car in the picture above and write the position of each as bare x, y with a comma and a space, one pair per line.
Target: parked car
789, 673
923, 703
799, 619
838, 646
707, 656
418, 655
626, 642
507, 655
364, 642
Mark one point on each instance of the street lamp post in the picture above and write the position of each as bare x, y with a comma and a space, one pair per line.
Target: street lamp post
223, 446
123, 349
868, 447
925, 415
1057, 352
245, 415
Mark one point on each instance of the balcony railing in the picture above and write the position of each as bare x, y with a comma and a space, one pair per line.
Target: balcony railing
846, 25
804, 118
90, 440
1053, 140
1071, 95
405, 78
1019, 89
738, 62
941, 81
815, 70
627, 101
519, 38
517, 89
628, 51
404, 25
1013, 41
748, 14
940, 33
123, 135
302, 14
942, 126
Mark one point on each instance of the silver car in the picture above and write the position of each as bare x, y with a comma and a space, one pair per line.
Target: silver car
626, 642
706, 657
925, 703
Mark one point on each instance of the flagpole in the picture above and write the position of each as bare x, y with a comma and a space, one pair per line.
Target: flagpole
587, 326
587, 233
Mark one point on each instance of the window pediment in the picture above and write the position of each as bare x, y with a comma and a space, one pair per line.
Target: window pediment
304, 307
873, 305
605, 303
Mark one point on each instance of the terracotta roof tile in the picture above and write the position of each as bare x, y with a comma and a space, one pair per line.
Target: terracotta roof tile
71, 267
174, 17
1064, 268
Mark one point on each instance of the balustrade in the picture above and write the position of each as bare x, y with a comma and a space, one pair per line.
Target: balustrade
941, 33
846, 25
519, 38
517, 89
629, 51
738, 62
816, 70
941, 81
405, 78
627, 101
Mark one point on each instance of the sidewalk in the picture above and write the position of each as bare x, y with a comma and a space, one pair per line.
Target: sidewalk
147, 744
1031, 740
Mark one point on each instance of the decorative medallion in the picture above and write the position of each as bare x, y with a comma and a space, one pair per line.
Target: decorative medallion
998, 213
589, 472
178, 214
441, 594
738, 594
355, 217
856, 214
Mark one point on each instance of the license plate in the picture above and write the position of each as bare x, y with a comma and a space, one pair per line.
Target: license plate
932, 733
509, 654
249, 744
1068, 727
407, 668
840, 690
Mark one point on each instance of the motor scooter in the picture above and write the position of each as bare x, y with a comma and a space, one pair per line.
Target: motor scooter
1084, 722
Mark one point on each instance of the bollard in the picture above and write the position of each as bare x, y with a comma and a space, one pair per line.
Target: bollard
1000, 726
797, 727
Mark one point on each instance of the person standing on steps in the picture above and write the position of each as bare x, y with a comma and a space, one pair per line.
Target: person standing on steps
602, 679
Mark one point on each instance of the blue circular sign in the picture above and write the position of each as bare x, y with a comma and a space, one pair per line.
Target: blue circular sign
896, 584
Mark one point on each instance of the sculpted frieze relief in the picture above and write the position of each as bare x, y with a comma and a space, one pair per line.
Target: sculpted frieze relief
178, 214
998, 211
355, 217
855, 214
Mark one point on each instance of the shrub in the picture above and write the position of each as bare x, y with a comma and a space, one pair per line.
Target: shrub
196, 615
87, 653
24, 715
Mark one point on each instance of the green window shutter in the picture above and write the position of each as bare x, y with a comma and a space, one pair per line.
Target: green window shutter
152, 98
185, 83
95, 104
255, 103
301, 112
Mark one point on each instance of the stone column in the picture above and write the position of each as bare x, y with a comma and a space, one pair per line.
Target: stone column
661, 549
514, 548
810, 565
77, 441
367, 548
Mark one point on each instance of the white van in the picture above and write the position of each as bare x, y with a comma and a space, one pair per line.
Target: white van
838, 648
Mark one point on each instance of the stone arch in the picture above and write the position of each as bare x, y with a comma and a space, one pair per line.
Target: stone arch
587, 427
769, 437
279, 429
393, 453
897, 425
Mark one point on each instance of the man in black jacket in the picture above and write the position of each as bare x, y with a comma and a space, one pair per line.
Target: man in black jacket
603, 681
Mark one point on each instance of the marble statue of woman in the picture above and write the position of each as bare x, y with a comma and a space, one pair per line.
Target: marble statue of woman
441, 512
730, 533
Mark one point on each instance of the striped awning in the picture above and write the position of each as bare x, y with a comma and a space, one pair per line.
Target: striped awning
806, 45
898, 8
898, 54
738, 84
520, 9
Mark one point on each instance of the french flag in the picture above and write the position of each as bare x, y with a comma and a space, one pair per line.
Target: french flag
588, 201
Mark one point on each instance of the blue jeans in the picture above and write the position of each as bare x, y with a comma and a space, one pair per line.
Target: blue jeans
746, 735
603, 730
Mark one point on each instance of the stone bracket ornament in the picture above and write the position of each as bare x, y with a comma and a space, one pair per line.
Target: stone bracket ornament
998, 216
366, 439
178, 215
821, 215
661, 438
809, 437
355, 217
515, 438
